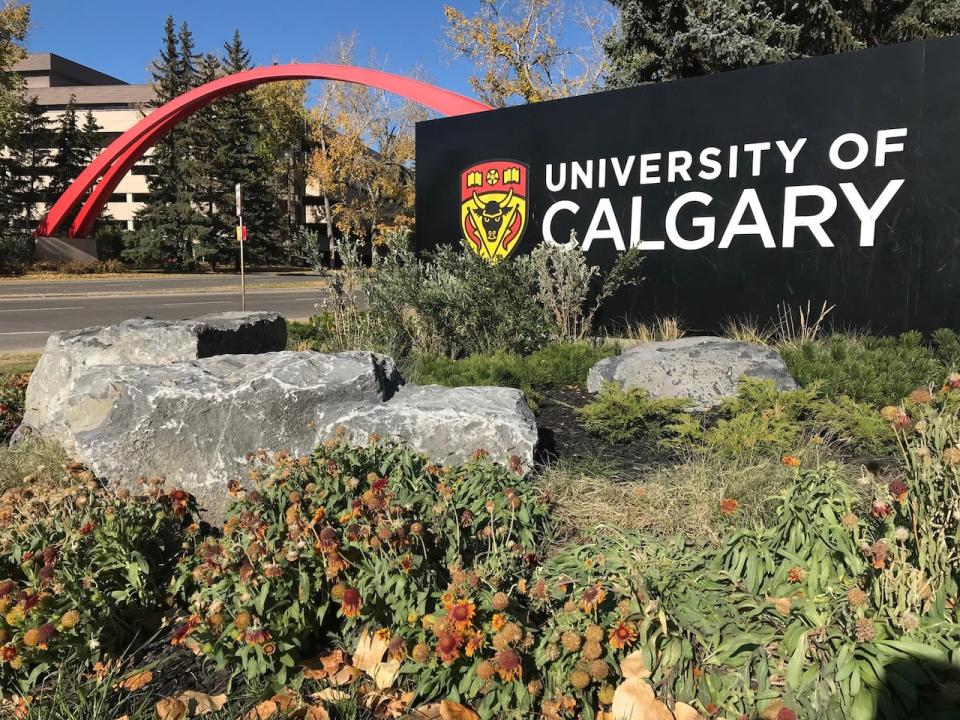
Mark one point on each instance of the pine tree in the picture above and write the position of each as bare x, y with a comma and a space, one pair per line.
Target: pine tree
204, 133
169, 223
69, 153
659, 40
29, 154
237, 162
90, 143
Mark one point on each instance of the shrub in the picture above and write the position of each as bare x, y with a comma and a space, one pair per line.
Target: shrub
625, 415
559, 364
763, 421
13, 389
874, 370
345, 538
572, 291
455, 304
85, 572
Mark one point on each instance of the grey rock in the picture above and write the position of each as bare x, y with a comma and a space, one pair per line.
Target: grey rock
704, 370
194, 422
448, 424
143, 341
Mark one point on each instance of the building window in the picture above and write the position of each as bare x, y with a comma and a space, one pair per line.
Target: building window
118, 198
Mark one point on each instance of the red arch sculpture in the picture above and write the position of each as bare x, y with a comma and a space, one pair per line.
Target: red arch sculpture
104, 174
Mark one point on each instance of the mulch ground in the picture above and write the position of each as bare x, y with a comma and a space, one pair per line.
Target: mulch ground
562, 438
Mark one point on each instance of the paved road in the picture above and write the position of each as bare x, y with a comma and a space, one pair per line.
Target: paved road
25, 323
151, 284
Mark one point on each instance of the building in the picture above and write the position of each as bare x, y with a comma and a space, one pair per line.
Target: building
116, 105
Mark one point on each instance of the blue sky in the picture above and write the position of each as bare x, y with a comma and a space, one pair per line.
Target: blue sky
121, 37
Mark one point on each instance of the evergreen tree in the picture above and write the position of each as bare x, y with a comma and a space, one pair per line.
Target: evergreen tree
169, 223
204, 140
69, 152
90, 143
30, 154
659, 40
237, 162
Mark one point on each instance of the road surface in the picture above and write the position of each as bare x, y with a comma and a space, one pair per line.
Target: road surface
152, 284
27, 320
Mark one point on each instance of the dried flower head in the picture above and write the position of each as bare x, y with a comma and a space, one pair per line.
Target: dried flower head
508, 664
865, 631
856, 597
898, 490
579, 679
920, 396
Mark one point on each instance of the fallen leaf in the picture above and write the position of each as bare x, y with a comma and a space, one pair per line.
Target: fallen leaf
426, 712
604, 715
262, 711
682, 711
633, 666
169, 708
323, 666
136, 681
772, 710
315, 712
634, 700
199, 703
370, 651
450, 710
384, 673
346, 675
286, 700
330, 695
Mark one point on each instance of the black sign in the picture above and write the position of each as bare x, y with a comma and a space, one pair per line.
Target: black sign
832, 179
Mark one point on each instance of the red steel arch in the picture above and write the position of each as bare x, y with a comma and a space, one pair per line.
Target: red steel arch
104, 174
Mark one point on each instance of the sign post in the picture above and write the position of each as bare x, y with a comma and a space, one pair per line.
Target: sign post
241, 238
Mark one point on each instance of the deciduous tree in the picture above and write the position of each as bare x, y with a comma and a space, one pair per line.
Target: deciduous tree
519, 53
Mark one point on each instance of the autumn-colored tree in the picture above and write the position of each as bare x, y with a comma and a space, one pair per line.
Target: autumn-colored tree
14, 22
518, 49
363, 161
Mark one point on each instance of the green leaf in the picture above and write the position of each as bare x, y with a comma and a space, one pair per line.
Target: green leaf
795, 666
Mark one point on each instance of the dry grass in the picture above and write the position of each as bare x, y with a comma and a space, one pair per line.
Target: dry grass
748, 330
11, 363
660, 329
800, 326
34, 461
681, 499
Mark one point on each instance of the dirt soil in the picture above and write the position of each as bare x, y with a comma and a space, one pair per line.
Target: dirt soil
562, 438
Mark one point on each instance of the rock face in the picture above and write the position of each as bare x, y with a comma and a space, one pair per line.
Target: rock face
704, 370
448, 424
104, 394
143, 341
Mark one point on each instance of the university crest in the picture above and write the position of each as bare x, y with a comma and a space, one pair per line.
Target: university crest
493, 207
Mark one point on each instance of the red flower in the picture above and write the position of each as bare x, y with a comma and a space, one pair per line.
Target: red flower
796, 575
182, 632
880, 509
728, 506
448, 647
352, 602
786, 714
508, 664
87, 528
791, 461
622, 635
898, 489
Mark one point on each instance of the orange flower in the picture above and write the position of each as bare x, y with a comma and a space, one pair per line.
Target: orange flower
498, 621
474, 641
448, 647
461, 613
623, 635
898, 489
728, 506
508, 664
592, 597
352, 602
796, 575
791, 461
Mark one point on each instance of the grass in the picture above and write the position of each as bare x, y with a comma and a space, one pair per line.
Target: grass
682, 499
13, 363
34, 461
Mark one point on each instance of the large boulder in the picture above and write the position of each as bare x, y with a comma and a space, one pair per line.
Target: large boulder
449, 424
705, 370
145, 342
194, 422
189, 400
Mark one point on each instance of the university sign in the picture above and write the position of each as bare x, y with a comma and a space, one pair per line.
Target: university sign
833, 179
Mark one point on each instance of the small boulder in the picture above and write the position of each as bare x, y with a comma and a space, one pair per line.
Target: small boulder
705, 370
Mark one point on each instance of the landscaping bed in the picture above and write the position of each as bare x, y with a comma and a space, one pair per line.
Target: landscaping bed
787, 554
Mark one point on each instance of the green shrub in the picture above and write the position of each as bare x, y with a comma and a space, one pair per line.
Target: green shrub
619, 415
874, 370
84, 572
559, 364
348, 538
13, 389
455, 304
764, 421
